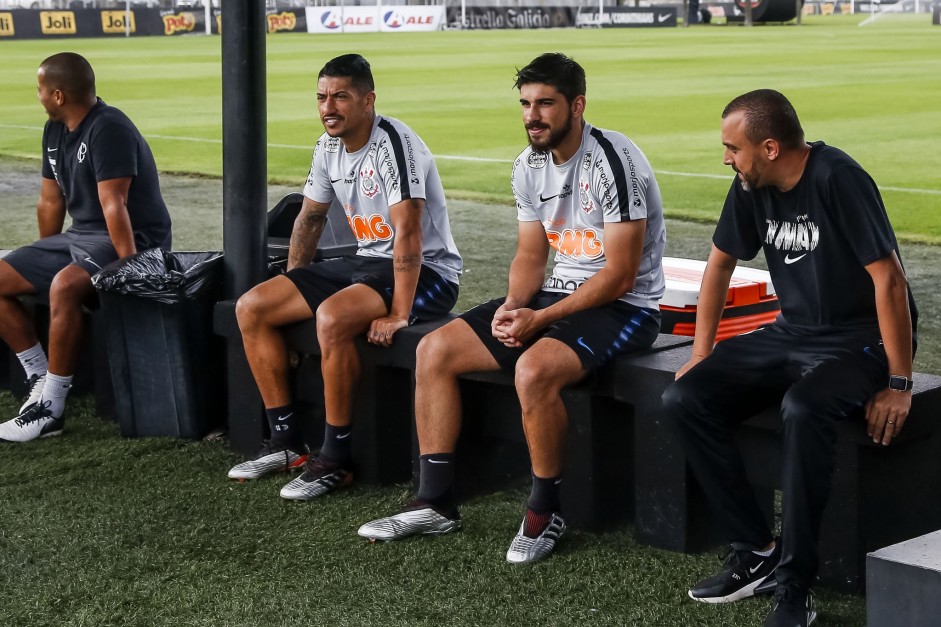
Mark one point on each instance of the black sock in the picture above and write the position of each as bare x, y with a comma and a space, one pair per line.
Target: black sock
336, 444
284, 428
436, 485
544, 497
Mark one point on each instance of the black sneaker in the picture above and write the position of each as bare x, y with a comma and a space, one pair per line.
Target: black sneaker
793, 607
743, 571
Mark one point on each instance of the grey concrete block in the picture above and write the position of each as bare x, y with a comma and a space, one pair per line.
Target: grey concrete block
903, 583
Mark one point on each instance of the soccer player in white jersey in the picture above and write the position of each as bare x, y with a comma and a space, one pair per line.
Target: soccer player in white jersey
589, 194
406, 268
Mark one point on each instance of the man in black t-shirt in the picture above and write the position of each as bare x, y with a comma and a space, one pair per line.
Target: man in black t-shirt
841, 348
97, 168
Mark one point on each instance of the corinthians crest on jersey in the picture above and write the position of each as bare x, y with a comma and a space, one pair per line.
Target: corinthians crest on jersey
368, 183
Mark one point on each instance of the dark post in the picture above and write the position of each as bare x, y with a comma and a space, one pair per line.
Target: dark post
244, 145
244, 200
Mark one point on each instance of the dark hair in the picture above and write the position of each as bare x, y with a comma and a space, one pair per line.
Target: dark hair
768, 115
557, 70
352, 66
70, 73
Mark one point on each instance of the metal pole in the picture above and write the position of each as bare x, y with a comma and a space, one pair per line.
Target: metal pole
244, 145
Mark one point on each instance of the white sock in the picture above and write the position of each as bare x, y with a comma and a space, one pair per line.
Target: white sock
55, 391
34, 361
765, 553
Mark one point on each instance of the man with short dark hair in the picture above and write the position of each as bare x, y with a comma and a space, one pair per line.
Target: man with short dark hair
406, 268
591, 195
841, 348
96, 167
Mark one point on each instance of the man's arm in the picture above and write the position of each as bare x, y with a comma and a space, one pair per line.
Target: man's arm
713, 295
623, 245
50, 210
406, 265
528, 268
305, 236
887, 410
112, 194
527, 274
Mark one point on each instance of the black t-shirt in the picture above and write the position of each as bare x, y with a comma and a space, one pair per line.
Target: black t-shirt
817, 238
105, 145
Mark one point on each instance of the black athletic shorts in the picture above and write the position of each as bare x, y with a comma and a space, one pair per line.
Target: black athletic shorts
434, 296
42, 260
596, 335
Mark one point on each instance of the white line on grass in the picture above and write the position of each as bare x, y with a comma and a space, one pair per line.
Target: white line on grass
206, 140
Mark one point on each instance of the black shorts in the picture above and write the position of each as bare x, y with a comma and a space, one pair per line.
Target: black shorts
434, 296
42, 260
596, 335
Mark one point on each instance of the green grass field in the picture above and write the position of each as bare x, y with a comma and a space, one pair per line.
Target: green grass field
870, 90
100, 530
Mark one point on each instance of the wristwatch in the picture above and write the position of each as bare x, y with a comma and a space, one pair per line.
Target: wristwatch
899, 383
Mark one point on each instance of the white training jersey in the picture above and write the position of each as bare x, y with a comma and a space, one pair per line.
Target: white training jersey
608, 180
394, 165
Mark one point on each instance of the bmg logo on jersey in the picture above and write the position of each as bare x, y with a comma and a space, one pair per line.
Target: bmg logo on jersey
367, 180
370, 228
583, 243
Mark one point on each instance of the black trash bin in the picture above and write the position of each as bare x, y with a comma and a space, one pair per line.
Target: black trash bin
167, 367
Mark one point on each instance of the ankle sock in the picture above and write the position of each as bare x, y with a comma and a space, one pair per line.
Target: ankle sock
436, 485
34, 361
55, 392
282, 422
337, 445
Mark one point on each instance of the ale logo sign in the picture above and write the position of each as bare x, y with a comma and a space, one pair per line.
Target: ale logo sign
57, 22
115, 22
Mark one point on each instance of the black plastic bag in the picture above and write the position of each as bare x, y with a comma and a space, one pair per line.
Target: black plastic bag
166, 277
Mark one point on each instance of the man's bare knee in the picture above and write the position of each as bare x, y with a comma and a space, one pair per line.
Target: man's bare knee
435, 353
70, 288
246, 311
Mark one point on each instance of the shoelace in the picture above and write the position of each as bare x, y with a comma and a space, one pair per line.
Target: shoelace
32, 383
34, 412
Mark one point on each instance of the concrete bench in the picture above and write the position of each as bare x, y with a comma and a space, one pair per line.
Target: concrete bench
903, 583
880, 494
382, 409
597, 491
600, 470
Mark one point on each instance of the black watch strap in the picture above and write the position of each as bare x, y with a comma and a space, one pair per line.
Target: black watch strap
899, 383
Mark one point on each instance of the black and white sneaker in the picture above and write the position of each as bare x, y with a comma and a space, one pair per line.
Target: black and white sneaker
418, 518
524, 549
742, 572
793, 607
271, 458
318, 478
35, 422
34, 386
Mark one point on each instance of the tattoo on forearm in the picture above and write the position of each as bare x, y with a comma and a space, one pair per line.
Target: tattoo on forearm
305, 237
405, 263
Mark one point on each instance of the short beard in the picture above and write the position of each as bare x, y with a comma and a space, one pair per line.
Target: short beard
555, 138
